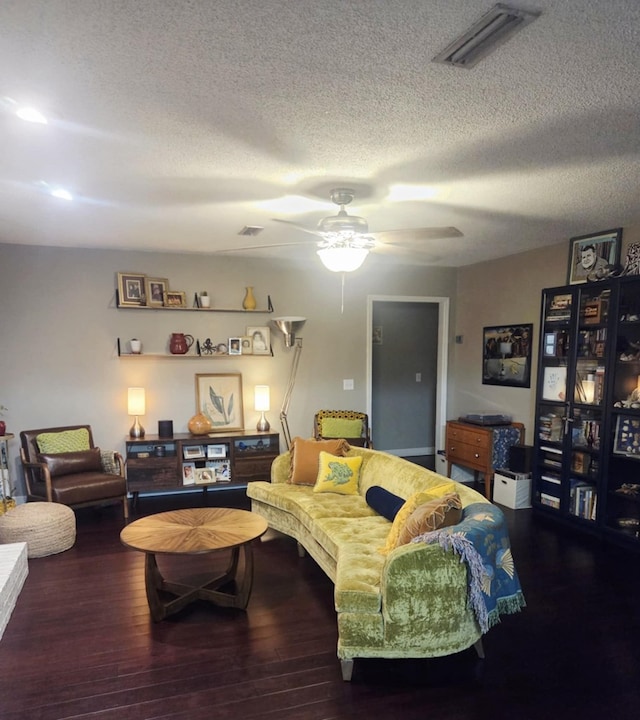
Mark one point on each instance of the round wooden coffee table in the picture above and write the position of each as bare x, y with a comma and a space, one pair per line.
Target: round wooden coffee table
193, 532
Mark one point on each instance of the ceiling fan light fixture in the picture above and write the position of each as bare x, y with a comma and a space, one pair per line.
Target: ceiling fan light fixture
343, 258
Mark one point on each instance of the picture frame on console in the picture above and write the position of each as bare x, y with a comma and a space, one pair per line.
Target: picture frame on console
594, 256
219, 398
507, 355
131, 289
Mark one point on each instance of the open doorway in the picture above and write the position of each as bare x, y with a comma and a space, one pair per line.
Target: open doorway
407, 357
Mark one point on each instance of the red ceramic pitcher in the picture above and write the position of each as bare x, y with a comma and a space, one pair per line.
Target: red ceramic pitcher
180, 343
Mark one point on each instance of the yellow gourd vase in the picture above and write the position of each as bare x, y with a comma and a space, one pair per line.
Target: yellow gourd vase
249, 302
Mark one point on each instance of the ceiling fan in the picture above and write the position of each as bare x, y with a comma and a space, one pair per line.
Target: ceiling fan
345, 241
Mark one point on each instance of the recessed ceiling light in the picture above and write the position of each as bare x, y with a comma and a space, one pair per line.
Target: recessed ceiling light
31, 115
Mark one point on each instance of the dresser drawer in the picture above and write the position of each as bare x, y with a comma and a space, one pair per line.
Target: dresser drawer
468, 436
468, 455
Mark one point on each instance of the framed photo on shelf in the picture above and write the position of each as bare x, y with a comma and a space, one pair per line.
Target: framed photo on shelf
190, 452
507, 355
260, 340
246, 343
594, 256
154, 290
235, 348
219, 397
175, 298
204, 476
188, 473
554, 383
216, 451
131, 289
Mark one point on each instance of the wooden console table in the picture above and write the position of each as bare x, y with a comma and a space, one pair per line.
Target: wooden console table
481, 448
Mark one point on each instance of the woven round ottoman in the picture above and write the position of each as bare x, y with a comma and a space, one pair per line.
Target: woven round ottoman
47, 528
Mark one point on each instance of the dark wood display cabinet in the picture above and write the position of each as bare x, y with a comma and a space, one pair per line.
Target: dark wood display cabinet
587, 438
186, 462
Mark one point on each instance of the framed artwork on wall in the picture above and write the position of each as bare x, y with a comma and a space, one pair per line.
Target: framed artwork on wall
594, 257
507, 355
219, 398
175, 298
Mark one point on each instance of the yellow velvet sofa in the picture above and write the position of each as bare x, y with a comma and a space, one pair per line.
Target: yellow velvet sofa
412, 601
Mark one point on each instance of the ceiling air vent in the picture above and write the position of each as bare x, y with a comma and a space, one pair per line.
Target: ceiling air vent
482, 38
251, 230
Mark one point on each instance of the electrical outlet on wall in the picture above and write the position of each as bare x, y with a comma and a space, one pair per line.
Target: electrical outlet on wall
347, 384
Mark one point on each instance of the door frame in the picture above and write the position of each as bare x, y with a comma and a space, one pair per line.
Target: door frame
442, 355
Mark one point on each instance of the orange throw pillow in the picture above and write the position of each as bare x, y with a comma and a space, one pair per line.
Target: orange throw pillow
305, 458
433, 515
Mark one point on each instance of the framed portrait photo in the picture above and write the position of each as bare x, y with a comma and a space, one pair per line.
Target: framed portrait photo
131, 289
219, 398
507, 355
260, 340
154, 290
235, 346
246, 343
593, 257
175, 298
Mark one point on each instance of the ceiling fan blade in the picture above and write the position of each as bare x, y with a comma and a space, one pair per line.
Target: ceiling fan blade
296, 243
415, 235
299, 227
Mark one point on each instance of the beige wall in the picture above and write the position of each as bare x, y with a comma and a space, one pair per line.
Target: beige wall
59, 325
59, 328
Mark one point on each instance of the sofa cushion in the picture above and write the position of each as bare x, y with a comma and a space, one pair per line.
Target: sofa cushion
305, 457
63, 441
384, 502
433, 515
71, 463
337, 474
418, 498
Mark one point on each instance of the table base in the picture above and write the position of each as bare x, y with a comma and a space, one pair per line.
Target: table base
158, 587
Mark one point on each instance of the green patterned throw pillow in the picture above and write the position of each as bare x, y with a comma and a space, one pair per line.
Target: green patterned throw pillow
64, 441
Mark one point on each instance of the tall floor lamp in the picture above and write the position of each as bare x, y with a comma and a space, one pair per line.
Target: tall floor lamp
289, 326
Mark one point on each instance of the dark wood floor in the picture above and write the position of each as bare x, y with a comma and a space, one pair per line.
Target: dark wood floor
80, 643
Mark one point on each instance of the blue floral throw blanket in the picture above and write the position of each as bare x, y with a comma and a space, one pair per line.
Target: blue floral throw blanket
481, 540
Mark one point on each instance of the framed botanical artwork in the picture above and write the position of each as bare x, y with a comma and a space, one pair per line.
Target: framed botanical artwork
260, 340
507, 355
593, 257
175, 298
219, 398
154, 290
131, 289
235, 348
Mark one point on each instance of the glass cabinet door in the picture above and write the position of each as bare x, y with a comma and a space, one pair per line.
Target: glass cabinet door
623, 478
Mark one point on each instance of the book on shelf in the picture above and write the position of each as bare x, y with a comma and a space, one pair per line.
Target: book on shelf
550, 501
550, 427
554, 479
582, 499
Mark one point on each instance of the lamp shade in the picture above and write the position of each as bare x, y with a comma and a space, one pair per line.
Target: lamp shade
136, 401
289, 326
342, 259
261, 398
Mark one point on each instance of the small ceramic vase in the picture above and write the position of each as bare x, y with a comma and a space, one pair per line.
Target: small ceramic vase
249, 302
199, 425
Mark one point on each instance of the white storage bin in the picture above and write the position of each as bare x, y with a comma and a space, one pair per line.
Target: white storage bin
512, 490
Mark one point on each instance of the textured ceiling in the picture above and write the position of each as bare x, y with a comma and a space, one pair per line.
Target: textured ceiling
177, 123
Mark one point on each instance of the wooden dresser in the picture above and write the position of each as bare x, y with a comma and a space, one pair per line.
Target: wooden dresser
481, 448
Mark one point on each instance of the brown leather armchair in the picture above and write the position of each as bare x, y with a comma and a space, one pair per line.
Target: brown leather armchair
78, 478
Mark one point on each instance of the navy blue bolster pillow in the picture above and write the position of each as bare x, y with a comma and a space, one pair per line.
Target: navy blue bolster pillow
383, 502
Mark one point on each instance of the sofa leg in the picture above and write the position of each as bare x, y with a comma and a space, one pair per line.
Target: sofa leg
479, 648
301, 551
347, 669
